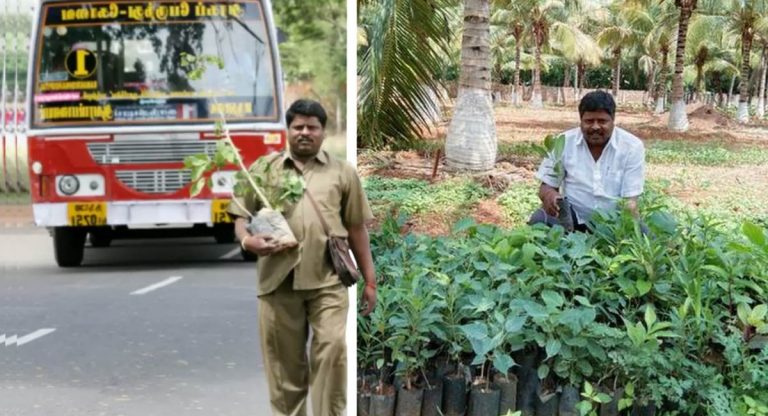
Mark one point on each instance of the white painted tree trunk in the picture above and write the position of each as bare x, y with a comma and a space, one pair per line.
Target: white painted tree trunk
471, 142
536, 101
678, 119
742, 114
760, 112
659, 105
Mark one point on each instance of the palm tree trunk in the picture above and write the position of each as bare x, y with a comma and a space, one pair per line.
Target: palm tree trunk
581, 70
697, 83
517, 95
730, 91
662, 84
471, 140
742, 115
576, 79
536, 95
617, 73
566, 83
678, 119
761, 86
718, 88
651, 87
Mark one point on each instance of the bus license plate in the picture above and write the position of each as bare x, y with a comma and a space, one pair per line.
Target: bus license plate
86, 214
219, 211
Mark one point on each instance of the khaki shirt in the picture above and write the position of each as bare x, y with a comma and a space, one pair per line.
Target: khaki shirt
339, 194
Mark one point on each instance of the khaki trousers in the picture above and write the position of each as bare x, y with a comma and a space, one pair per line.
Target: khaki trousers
285, 317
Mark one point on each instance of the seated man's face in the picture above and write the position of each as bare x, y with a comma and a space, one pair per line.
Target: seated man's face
597, 127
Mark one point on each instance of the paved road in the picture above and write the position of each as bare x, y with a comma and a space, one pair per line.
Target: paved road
151, 327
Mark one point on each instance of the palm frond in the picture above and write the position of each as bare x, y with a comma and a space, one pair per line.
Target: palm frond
407, 43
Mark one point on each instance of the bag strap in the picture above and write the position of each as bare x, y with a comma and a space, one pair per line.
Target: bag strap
319, 215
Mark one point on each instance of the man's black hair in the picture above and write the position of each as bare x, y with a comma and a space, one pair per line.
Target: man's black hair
596, 101
307, 108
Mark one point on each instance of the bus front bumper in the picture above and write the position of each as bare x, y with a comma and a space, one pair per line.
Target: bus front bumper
131, 213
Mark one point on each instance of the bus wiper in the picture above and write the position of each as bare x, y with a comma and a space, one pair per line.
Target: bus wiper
247, 29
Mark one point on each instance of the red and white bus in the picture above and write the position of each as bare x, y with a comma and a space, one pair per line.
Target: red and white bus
113, 112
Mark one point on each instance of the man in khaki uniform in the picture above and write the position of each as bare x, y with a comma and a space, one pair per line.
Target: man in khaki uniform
298, 288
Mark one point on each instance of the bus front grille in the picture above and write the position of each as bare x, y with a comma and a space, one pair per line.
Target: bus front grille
148, 151
155, 181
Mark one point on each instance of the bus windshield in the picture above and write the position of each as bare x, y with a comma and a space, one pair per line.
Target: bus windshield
127, 63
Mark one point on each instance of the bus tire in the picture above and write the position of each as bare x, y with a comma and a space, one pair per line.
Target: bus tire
68, 246
100, 238
224, 233
248, 256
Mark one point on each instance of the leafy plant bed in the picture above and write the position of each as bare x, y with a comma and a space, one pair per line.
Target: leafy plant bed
667, 320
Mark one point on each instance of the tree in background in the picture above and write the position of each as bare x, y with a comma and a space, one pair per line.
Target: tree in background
617, 36
319, 27
512, 15
403, 46
710, 50
678, 119
745, 18
471, 140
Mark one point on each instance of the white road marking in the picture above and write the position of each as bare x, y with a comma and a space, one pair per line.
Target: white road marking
18, 341
150, 288
35, 335
229, 255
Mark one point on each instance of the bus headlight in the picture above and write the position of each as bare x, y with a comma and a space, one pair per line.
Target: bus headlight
37, 167
223, 182
68, 185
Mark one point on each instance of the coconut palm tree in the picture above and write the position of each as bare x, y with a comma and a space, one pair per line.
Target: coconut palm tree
678, 119
471, 140
574, 46
762, 40
707, 43
402, 47
617, 36
513, 14
746, 17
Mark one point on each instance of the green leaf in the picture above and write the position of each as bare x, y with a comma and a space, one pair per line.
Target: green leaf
584, 407
582, 300
196, 160
603, 398
515, 324
643, 287
197, 187
743, 311
543, 371
502, 363
463, 225
625, 404
476, 330
754, 233
758, 313
585, 367
379, 363
535, 310
552, 299
588, 390
650, 316
553, 347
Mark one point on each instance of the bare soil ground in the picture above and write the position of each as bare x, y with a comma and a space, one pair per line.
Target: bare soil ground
735, 188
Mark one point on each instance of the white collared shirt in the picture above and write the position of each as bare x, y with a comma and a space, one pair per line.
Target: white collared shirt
598, 184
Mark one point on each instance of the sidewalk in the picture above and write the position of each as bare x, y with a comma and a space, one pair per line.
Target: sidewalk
15, 215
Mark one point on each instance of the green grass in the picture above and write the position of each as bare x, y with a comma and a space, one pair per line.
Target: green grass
414, 196
519, 201
704, 154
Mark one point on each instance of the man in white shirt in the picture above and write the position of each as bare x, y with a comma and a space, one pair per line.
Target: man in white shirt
602, 165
